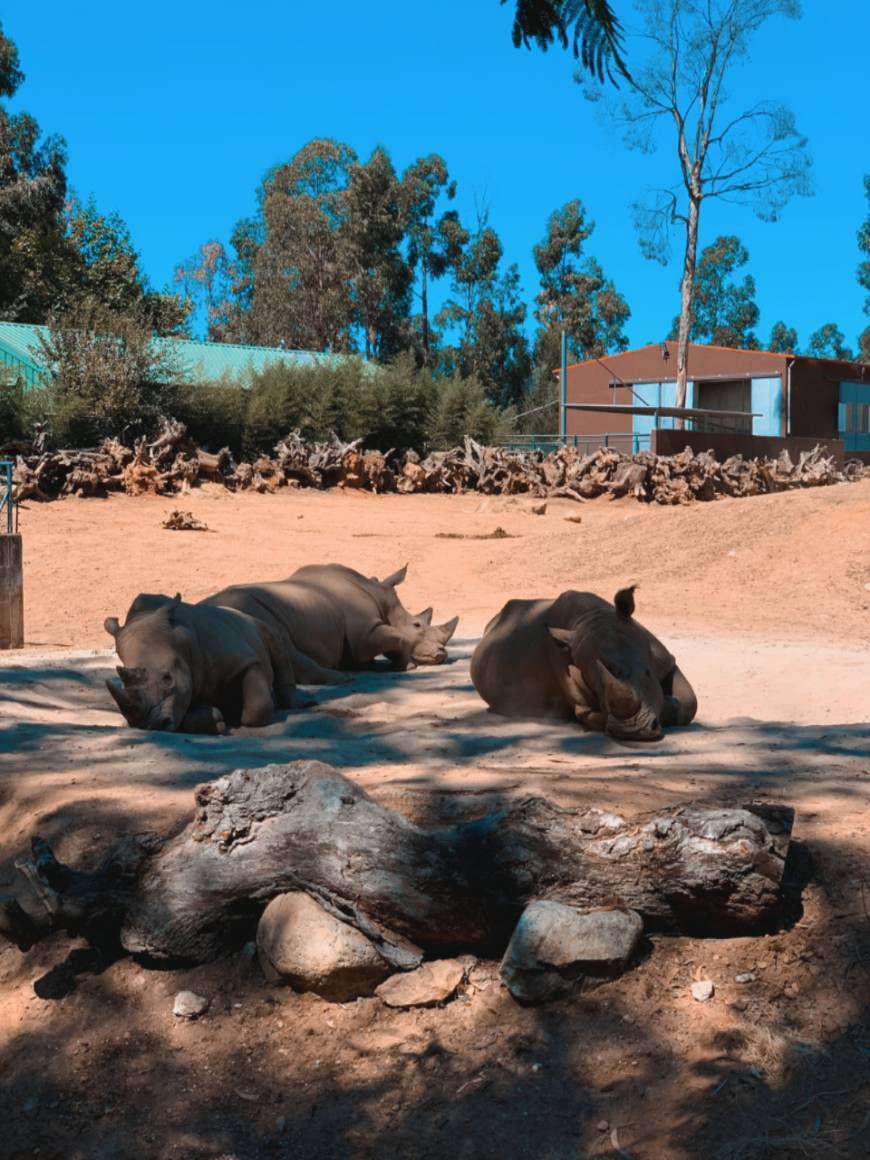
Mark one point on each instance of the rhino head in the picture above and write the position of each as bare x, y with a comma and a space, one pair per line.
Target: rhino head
621, 671
428, 641
155, 685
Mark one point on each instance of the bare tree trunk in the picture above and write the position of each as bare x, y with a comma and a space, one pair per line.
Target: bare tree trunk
304, 826
687, 294
424, 307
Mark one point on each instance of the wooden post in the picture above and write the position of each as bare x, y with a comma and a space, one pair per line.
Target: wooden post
11, 592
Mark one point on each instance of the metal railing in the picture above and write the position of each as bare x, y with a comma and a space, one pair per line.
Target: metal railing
625, 441
7, 504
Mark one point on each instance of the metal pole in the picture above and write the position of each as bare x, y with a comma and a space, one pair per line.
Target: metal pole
563, 383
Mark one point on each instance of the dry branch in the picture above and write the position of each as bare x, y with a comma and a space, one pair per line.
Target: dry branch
304, 826
171, 462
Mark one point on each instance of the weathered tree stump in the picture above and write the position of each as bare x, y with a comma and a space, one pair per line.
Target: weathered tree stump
304, 826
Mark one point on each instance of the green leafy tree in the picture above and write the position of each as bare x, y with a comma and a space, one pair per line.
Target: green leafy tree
864, 274
108, 374
373, 231
575, 296
301, 295
209, 279
783, 339
677, 93
103, 266
423, 184
33, 251
829, 342
590, 27
724, 310
484, 314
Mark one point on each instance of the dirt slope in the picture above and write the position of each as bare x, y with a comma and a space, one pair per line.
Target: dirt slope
766, 603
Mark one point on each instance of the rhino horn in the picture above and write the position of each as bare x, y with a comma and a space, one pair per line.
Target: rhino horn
395, 578
619, 697
120, 698
111, 625
562, 636
425, 616
445, 631
131, 677
624, 601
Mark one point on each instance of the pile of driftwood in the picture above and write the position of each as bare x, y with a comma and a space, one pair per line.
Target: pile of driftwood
172, 462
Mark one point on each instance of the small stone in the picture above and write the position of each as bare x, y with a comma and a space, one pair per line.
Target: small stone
299, 943
603, 1125
574, 519
537, 1067
189, 1005
554, 946
745, 977
538, 509
702, 990
434, 982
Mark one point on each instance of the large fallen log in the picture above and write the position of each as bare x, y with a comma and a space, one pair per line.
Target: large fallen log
304, 826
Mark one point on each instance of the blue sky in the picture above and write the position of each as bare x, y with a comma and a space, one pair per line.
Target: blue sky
173, 111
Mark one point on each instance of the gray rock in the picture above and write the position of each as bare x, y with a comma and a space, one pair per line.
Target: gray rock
434, 982
554, 946
189, 1005
745, 977
702, 990
299, 943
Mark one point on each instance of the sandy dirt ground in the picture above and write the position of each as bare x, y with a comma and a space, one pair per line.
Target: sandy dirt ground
766, 603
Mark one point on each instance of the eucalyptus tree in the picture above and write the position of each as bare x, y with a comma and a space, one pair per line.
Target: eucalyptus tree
424, 184
33, 250
783, 339
677, 98
724, 310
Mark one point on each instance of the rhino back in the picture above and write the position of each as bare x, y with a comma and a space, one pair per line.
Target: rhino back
297, 613
515, 667
226, 645
363, 604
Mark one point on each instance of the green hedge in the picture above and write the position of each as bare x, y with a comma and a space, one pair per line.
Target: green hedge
399, 407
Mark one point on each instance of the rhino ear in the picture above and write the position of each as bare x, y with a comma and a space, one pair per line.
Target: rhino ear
425, 616
111, 625
624, 601
395, 578
562, 636
171, 606
446, 630
620, 699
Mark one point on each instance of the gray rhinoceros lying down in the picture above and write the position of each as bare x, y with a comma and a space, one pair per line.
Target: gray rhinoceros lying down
194, 669
584, 657
327, 617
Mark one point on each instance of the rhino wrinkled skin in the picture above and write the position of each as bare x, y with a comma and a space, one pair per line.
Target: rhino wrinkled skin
195, 669
330, 619
581, 656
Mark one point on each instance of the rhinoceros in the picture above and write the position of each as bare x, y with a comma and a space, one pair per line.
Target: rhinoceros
195, 669
581, 656
330, 618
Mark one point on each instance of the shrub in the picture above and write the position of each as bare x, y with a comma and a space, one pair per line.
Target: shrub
214, 413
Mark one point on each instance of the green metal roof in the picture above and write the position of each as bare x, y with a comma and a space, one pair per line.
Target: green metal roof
197, 361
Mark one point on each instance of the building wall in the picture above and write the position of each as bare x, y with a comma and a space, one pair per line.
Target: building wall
652, 376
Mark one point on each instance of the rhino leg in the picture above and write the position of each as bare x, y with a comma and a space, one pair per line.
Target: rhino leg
681, 704
257, 701
309, 672
203, 719
384, 640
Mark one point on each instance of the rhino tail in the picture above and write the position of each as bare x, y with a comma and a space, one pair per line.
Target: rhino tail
624, 602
